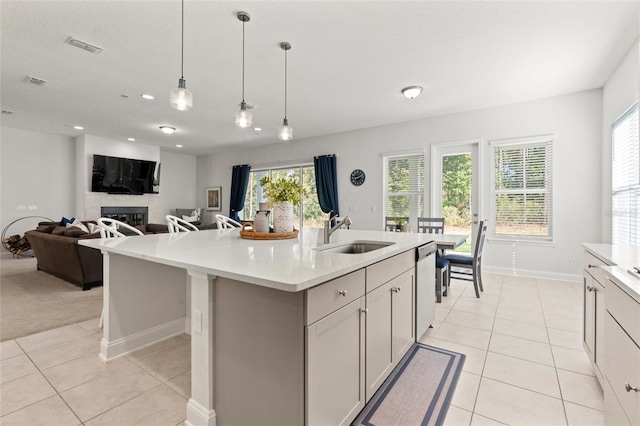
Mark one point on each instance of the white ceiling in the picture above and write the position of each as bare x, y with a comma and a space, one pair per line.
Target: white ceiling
348, 63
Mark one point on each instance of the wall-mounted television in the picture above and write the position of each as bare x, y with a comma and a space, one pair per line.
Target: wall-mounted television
123, 175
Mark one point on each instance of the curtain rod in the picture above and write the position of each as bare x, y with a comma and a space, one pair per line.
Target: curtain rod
285, 164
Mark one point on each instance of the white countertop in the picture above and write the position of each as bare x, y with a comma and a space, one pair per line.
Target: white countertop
621, 259
290, 265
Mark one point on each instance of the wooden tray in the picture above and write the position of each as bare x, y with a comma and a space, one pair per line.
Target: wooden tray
248, 232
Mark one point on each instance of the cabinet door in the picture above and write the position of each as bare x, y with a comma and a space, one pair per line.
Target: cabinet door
600, 312
589, 317
403, 324
335, 366
379, 353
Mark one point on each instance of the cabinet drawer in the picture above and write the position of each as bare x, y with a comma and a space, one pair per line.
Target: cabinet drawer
624, 309
622, 366
331, 296
386, 270
592, 264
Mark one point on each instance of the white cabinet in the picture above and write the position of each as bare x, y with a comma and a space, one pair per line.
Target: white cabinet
356, 335
390, 327
622, 363
594, 312
335, 366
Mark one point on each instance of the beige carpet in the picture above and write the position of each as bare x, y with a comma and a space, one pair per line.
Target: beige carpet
32, 301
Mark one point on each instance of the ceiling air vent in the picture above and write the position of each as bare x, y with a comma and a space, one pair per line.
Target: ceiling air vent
6, 112
84, 45
34, 80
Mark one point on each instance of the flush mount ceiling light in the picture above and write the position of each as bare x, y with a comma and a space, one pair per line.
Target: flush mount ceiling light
243, 116
412, 91
285, 132
180, 97
167, 129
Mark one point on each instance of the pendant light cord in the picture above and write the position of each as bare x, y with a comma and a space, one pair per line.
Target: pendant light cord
285, 84
242, 61
182, 47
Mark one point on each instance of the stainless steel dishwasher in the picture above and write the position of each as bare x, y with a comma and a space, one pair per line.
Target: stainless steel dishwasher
425, 287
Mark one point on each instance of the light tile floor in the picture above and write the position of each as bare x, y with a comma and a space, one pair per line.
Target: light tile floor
525, 365
525, 362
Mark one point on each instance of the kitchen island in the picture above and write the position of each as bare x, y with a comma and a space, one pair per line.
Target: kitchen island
280, 331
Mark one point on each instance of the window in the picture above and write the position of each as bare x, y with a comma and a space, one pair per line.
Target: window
625, 179
308, 213
522, 195
404, 188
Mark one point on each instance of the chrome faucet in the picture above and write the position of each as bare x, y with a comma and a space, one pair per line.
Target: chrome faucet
328, 230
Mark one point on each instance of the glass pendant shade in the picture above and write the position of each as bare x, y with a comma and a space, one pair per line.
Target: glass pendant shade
243, 116
180, 97
285, 132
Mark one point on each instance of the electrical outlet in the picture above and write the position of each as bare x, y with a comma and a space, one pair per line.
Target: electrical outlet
373, 209
353, 208
196, 322
572, 257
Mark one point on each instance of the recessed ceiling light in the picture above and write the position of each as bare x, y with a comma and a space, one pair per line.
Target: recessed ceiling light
178, 146
147, 97
167, 129
78, 127
131, 139
412, 91
257, 129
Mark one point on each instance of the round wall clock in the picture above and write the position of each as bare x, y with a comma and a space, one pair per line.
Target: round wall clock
357, 177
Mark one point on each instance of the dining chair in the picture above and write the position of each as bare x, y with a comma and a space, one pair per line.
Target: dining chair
110, 228
225, 222
435, 225
431, 225
391, 222
175, 224
471, 265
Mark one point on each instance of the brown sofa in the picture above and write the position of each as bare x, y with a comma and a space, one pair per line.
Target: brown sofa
58, 252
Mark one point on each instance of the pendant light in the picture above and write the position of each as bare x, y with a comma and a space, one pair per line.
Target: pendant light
180, 97
285, 132
243, 116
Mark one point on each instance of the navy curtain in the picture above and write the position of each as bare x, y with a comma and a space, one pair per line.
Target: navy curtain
239, 181
327, 183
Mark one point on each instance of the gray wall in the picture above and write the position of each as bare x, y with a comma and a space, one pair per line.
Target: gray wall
575, 119
37, 169
44, 170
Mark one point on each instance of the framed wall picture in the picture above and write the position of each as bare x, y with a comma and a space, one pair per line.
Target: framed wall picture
214, 199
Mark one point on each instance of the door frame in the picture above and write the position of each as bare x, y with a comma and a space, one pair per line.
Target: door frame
477, 155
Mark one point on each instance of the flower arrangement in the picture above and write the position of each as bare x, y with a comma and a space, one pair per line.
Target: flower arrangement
281, 189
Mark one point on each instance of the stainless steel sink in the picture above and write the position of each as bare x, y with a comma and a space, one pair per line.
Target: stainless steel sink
355, 247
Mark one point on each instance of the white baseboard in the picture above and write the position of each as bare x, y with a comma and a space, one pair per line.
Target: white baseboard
125, 345
533, 273
197, 415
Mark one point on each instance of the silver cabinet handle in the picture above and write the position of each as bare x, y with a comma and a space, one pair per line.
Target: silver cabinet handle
343, 293
364, 311
591, 288
591, 266
399, 288
630, 388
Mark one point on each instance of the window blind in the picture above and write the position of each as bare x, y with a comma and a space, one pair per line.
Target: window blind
405, 185
625, 179
522, 189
